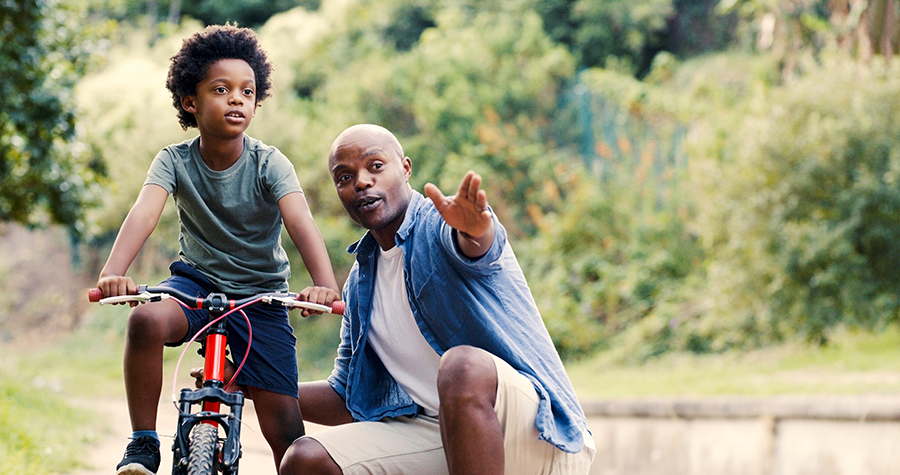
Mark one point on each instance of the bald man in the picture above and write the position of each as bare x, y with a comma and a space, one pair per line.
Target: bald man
445, 365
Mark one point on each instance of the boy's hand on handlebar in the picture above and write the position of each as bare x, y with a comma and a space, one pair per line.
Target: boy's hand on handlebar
319, 295
113, 286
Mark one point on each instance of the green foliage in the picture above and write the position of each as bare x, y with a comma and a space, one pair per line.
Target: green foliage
617, 253
46, 174
39, 433
806, 214
627, 35
250, 13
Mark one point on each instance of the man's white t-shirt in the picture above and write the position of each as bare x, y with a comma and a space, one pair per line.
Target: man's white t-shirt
395, 336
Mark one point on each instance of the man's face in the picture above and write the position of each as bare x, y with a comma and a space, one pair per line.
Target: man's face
371, 177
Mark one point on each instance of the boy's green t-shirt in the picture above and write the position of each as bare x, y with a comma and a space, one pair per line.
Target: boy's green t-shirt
230, 221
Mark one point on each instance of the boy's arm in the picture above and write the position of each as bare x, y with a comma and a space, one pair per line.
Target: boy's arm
302, 228
140, 222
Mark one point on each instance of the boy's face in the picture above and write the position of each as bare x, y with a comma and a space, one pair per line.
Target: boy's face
225, 101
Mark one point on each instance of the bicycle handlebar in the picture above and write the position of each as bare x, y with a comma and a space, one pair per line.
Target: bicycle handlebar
217, 302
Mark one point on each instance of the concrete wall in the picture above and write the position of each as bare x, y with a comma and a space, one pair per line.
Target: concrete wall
747, 436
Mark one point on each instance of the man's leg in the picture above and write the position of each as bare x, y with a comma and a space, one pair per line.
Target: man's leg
308, 457
470, 429
391, 446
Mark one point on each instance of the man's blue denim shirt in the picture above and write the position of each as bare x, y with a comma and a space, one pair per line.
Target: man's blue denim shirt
456, 300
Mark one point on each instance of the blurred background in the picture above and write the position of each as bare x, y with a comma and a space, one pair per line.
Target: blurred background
704, 195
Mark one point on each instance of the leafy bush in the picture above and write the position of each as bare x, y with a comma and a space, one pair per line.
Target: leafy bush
808, 203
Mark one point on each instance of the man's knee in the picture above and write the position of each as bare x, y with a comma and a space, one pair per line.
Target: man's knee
467, 372
308, 457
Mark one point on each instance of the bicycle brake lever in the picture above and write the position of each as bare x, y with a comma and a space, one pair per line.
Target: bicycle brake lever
290, 302
142, 297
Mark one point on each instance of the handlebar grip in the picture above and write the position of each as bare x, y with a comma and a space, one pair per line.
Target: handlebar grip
337, 307
94, 295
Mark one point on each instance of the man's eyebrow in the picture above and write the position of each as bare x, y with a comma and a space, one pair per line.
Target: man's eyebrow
374, 151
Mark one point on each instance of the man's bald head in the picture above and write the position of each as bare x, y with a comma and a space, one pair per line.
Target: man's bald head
366, 135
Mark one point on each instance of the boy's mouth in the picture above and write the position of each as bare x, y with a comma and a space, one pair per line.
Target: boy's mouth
234, 115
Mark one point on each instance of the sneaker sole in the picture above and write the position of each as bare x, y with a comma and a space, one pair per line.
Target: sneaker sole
134, 469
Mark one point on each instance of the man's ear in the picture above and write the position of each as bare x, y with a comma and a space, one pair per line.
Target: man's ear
187, 103
407, 168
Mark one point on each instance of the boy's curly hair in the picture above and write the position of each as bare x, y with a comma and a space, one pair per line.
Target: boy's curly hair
215, 42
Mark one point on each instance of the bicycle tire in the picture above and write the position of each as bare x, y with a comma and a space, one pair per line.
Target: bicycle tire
204, 457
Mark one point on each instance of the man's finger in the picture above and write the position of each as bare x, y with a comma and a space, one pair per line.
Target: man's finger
434, 193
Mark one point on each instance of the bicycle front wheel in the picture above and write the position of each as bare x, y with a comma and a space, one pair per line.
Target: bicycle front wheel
204, 456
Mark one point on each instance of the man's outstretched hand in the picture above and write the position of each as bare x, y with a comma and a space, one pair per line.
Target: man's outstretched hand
467, 212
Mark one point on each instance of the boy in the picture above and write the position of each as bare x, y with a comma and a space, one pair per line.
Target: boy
233, 193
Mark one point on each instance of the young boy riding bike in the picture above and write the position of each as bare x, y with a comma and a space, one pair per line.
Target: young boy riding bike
233, 193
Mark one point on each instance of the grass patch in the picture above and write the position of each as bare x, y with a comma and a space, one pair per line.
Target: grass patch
853, 363
39, 432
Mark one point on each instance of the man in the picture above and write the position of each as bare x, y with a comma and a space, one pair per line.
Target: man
444, 366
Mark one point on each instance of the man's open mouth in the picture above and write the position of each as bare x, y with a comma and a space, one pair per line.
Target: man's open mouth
364, 204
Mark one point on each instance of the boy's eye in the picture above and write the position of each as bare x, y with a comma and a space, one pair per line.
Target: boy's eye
249, 92
221, 90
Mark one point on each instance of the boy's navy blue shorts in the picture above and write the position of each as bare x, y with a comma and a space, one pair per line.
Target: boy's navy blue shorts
272, 362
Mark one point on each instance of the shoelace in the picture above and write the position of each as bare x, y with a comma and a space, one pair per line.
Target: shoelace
142, 445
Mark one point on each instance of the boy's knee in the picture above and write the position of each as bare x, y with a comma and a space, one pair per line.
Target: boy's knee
151, 324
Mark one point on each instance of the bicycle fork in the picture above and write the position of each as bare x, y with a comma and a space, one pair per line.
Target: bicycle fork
211, 397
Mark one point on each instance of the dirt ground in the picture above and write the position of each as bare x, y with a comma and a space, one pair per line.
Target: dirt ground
102, 459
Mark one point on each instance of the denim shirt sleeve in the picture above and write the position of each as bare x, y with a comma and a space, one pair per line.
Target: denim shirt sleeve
488, 263
338, 377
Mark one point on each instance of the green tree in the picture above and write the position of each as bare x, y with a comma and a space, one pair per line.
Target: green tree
46, 175
809, 211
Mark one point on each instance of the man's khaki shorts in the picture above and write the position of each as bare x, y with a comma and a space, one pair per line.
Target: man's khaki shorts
412, 445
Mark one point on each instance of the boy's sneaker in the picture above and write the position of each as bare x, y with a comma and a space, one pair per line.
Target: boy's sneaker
141, 457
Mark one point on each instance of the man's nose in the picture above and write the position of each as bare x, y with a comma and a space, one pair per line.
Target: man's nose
364, 180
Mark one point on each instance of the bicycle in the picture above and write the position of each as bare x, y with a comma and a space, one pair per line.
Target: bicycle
198, 449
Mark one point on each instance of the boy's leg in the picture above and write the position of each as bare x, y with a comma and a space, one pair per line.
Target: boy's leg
279, 420
150, 327
269, 373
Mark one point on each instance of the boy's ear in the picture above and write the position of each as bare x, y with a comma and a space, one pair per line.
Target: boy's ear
187, 103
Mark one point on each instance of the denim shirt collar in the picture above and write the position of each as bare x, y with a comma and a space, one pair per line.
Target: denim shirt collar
365, 248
